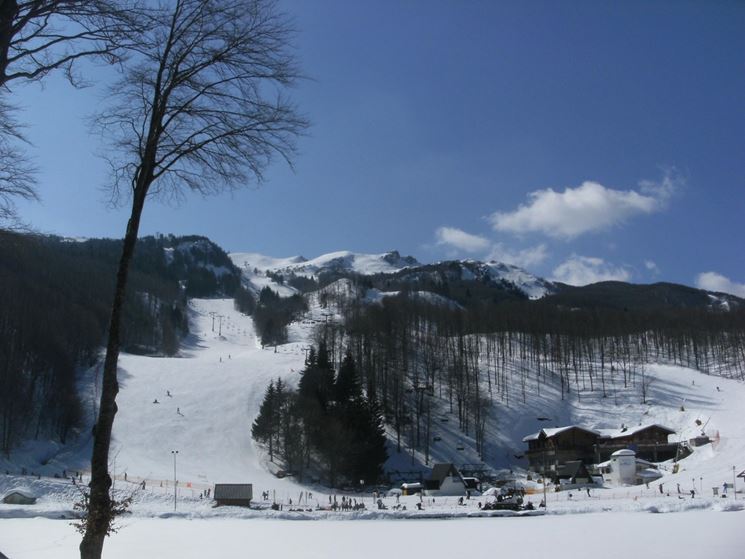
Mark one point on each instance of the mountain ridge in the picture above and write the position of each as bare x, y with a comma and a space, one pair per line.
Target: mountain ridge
390, 271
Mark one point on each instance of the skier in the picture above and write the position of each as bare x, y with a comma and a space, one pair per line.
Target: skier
156, 401
660, 486
168, 393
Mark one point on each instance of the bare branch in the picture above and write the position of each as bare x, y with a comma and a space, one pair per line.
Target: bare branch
41, 36
205, 88
17, 174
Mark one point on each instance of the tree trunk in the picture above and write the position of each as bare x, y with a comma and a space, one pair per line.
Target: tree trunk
99, 505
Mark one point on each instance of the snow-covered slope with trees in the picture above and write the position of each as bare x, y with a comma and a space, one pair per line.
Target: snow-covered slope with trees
218, 380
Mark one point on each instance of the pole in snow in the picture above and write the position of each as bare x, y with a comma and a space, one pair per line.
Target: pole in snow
174, 452
734, 484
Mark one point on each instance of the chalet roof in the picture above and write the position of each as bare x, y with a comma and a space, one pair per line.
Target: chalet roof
552, 432
441, 471
23, 491
629, 431
571, 469
229, 491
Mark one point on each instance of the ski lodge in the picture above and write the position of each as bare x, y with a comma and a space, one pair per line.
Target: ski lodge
550, 448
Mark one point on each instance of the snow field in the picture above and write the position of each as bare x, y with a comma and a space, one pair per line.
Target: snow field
692, 535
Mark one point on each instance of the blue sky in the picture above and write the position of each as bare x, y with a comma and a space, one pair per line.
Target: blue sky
582, 140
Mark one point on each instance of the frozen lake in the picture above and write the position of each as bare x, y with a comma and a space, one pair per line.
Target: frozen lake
694, 534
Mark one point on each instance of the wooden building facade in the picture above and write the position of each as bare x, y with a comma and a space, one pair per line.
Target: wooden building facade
550, 448
233, 494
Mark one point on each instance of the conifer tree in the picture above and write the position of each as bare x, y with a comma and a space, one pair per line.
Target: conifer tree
347, 385
263, 429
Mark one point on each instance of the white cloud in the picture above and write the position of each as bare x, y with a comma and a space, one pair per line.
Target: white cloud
712, 281
581, 270
525, 258
459, 239
652, 267
589, 207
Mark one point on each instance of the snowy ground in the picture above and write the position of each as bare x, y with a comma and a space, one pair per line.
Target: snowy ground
216, 385
615, 536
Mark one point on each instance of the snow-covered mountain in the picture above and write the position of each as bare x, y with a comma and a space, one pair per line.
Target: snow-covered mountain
406, 269
391, 273
341, 261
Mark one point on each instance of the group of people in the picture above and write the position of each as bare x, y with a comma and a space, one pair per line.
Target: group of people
168, 393
347, 504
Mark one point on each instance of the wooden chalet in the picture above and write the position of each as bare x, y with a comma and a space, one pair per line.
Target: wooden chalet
549, 448
233, 494
649, 442
19, 496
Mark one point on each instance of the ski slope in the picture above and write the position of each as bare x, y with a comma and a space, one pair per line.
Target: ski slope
216, 386
219, 378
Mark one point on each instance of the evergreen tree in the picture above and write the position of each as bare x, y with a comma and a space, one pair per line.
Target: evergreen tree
264, 426
347, 386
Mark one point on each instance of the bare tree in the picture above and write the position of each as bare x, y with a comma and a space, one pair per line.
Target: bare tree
16, 171
37, 37
200, 106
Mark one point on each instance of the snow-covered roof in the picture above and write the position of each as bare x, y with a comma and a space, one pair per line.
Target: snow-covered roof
628, 431
649, 474
25, 491
624, 452
552, 432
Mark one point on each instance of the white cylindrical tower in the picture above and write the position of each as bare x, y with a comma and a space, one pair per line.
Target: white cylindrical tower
623, 467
